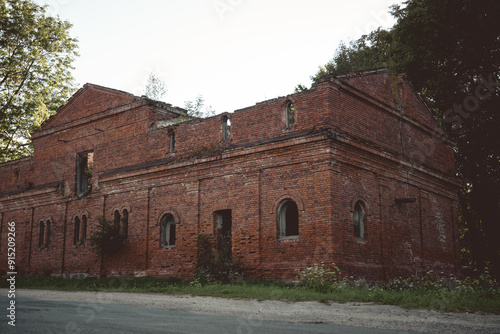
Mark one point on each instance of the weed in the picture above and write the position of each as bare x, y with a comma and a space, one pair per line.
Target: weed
426, 292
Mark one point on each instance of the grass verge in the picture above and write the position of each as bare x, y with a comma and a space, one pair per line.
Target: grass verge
456, 297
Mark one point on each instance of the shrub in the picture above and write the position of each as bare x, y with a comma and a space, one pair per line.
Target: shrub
320, 277
215, 265
106, 240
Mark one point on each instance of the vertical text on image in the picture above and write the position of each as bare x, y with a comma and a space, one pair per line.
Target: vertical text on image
11, 275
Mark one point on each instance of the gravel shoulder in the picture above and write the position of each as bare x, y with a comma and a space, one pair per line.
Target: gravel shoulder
348, 314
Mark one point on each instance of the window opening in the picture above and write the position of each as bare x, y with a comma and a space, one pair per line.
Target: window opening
290, 115
124, 223
16, 176
46, 234
359, 220
85, 165
41, 234
168, 231
83, 230
76, 238
288, 216
116, 218
172, 142
223, 233
226, 128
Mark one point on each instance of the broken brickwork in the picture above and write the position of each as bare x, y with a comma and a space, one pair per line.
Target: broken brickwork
354, 171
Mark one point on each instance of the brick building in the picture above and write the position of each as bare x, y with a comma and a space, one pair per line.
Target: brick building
354, 171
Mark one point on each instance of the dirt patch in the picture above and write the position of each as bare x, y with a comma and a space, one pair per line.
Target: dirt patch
348, 314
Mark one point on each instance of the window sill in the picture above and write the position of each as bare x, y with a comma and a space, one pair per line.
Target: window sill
289, 238
168, 247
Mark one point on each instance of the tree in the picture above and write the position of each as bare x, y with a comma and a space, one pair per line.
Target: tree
197, 108
450, 51
36, 56
368, 52
155, 87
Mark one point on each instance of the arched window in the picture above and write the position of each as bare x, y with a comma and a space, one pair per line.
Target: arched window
16, 177
41, 235
116, 218
83, 230
167, 231
124, 223
226, 128
76, 238
290, 115
359, 220
46, 234
172, 142
121, 221
288, 219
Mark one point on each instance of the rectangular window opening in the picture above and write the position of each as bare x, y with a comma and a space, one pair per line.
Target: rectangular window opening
223, 231
85, 165
172, 142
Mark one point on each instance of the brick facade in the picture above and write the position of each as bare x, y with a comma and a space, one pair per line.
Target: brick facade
361, 145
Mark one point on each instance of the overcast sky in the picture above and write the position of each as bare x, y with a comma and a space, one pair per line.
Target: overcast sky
233, 52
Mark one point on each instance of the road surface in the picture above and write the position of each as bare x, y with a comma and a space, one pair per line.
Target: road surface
39, 311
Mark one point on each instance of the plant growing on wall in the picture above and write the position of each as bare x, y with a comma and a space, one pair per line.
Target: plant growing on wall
106, 239
215, 265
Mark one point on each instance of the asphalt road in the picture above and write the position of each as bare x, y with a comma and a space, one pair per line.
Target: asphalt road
43, 316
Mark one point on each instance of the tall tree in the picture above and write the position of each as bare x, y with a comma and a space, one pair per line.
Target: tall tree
36, 55
155, 88
198, 108
451, 54
450, 51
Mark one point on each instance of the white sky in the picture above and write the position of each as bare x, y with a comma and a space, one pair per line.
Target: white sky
233, 52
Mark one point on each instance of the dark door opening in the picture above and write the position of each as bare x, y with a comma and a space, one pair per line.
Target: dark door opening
223, 234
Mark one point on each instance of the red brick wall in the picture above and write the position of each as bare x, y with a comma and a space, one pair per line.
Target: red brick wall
349, 142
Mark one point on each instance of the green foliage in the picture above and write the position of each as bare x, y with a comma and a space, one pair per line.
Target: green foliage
106, 240
368, 52
301, 88
320, 277
36, 56
215, 265
155, 87
448, 294
197, 108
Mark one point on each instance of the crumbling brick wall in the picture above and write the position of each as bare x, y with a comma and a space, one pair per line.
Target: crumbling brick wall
362, 144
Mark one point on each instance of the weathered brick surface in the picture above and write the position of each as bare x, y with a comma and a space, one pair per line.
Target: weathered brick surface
356, 138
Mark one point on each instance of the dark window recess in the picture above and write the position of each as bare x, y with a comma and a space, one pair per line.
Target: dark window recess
116, 218
124, 224
41, 235
359, 220
172, 142
288, 217
290, 115
83, 230
226, 128
223, 233
16, 177
168, 231
85, 164
44, 236
76, 238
